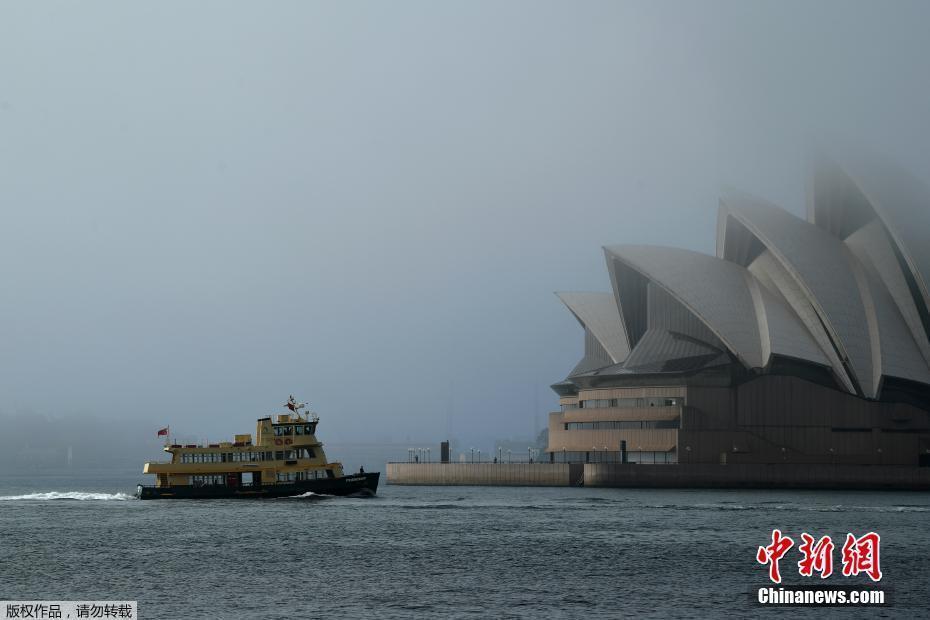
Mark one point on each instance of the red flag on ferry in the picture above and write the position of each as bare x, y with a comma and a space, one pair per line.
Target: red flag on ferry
163, 431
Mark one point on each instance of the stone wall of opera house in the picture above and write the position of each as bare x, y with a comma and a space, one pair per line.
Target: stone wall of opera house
767, 420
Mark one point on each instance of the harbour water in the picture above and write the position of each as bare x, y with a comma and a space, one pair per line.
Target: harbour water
428, 552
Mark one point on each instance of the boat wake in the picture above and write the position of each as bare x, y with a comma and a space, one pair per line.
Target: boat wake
308, 495
72, 495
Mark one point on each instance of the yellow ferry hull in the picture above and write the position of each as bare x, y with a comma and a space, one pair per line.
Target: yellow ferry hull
355, 484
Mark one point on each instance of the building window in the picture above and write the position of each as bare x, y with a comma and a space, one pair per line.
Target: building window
613, 425
609, 403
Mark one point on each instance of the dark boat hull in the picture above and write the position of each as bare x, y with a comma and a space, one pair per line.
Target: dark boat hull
355, 484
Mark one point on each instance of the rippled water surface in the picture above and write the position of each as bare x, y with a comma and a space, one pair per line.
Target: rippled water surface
424, 552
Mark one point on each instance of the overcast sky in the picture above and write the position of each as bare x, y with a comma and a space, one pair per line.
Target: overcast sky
205, 207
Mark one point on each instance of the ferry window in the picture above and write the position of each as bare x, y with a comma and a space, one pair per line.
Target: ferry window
308, 429
268, 456
298, 430
279, 455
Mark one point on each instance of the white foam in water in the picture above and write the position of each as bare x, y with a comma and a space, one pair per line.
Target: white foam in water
76, 495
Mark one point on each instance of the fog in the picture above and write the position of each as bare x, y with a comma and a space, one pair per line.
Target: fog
207, 207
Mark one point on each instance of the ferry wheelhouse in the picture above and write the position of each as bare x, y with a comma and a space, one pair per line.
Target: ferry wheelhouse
285, 459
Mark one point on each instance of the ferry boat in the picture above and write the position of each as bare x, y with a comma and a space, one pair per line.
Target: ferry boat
284, 460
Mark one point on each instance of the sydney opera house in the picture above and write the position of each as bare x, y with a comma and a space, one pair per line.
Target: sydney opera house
802, 345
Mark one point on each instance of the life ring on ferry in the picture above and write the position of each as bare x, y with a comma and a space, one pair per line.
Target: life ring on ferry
278, 441
288, 441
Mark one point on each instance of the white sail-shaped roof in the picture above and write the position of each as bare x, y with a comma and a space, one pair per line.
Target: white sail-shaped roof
752, 322
598, 313
883, 214
900, 200
874, 250
857, 314
847, 289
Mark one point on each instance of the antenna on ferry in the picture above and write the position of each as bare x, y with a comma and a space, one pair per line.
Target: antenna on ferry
293, 405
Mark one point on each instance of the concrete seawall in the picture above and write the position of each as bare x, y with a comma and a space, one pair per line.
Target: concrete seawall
483, 474
758, 476
733, 476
